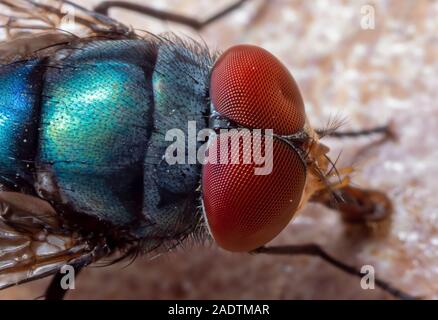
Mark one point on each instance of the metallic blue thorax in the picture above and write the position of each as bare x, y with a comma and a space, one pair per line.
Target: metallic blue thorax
84, 128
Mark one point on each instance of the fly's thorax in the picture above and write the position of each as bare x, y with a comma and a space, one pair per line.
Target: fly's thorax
180, 86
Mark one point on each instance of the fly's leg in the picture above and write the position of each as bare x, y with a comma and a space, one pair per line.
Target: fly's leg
385, 130
104, 7
316, 250
356, 205
55, 291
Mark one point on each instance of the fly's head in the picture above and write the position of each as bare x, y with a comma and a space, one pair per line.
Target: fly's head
251, 89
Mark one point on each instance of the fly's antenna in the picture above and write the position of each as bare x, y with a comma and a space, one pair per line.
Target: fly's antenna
335, 197
315, 250
333, 166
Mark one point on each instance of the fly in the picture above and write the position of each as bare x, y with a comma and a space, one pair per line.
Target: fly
83, 150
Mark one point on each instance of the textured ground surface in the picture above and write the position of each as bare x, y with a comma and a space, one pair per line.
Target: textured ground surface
369, 76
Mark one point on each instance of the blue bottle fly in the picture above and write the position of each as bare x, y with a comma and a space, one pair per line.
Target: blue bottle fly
83, 172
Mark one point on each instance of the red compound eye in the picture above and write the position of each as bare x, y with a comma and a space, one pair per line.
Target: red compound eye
244, 210
253, 88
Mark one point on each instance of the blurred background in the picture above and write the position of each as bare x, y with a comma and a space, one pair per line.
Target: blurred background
345, 68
